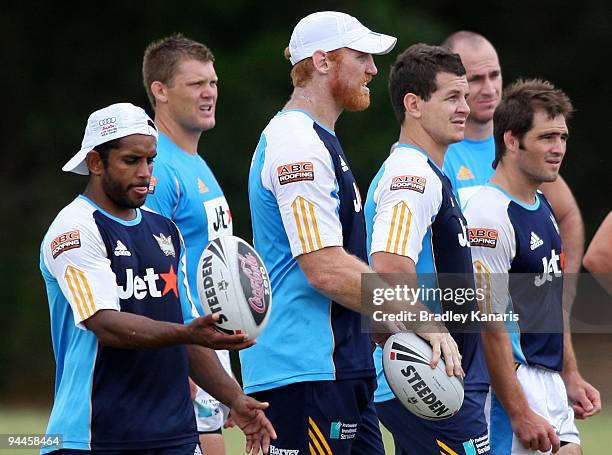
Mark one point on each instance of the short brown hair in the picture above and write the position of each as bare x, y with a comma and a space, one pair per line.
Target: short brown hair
162, 57
519, 103
415, 71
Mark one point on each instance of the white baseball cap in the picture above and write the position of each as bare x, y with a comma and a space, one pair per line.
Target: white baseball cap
112, 122
331, 30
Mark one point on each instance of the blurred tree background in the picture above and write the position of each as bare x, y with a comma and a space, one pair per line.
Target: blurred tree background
61, 62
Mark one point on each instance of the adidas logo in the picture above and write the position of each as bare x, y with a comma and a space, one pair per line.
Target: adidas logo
343, 164
535, 241
121, 249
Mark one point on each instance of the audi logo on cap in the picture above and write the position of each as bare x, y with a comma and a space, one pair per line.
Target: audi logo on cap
107, 121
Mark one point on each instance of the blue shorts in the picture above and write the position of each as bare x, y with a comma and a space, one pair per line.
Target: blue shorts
463, 434
324, 418
184, 449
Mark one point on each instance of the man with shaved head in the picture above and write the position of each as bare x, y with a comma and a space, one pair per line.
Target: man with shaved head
468, 164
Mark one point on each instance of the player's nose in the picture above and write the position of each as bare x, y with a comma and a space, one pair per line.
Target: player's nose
371, 67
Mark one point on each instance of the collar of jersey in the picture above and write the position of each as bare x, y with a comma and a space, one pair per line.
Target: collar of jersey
169, 144
417, 149
310, 116
133, 222
478, 141
532, 207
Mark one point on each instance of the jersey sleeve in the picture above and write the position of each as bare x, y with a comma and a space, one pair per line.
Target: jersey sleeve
76, 257
304, 185
407, 198
164, 190
493, 249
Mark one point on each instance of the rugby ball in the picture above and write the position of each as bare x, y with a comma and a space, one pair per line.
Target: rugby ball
428, 393
233, 281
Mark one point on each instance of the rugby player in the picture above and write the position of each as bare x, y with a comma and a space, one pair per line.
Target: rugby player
181, 83
308, 226
415, 225
523, 265
468, 166
125, 333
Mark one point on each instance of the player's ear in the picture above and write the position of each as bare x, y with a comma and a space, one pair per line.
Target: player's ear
412, 105
510, 141
159, 91
321, 61
94, 163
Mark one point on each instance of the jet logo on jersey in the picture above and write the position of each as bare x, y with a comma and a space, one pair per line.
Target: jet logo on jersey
295, 172
408, 182
141, 287
551, 268
463, 235
221, 221
165, 244
121, 249
535, 241
357, 200
218, 217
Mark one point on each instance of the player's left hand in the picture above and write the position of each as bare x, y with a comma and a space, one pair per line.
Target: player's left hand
585, 398
247, 413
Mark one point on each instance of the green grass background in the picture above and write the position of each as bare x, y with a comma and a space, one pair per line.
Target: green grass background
595, 432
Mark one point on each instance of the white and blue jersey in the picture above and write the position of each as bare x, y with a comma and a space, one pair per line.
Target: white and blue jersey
411, 211
469, 165
516, 248
184, 189
108, 398
303, 197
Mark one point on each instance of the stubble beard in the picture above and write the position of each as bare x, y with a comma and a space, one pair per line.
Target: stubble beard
118, 194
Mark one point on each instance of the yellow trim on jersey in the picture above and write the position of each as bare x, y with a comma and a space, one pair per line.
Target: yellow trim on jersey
315, 226
305, 215
407, 233
447, 448
321, 438
483, 281
299, 225
81, 291
403, 228
388, 249
478, 274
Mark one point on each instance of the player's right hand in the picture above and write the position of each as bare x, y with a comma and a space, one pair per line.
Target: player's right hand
443, 344
203, 332
535, 432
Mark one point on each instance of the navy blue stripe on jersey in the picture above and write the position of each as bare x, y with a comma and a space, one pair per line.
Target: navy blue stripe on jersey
352, 350
536, 283
140, 397
451, 255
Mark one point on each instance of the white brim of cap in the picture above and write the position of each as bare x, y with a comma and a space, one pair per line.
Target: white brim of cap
77, 163
373, 43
